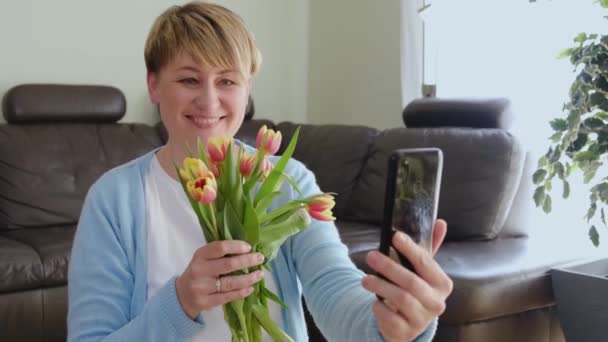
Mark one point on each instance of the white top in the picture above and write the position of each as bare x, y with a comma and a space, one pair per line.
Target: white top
173, 235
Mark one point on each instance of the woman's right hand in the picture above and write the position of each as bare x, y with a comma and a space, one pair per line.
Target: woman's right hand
197, 287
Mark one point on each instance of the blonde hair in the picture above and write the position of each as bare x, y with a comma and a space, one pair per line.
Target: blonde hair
209, 33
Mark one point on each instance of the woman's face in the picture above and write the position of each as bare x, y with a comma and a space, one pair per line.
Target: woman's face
197, 101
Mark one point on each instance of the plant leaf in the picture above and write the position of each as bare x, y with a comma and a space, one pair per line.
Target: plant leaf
270, 295
594, 236
539, 196
251, 223
591, 211
233, 224
273, 236
274, 177
580, 38
566, 192
547, 204
603, 216
556, 137
559, 125
261, 314
539, 176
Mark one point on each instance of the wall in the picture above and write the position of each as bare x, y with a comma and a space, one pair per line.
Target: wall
354, 71
101, 42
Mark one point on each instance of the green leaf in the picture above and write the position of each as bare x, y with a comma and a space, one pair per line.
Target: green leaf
539, 196
251, 223
270, 295
565, 53
603, 216
233, 224
547, 204
594, 236
566, 192
585, 156
593, 122
274, 177
539, 176
556, 137
559, 169
542, 161
289, 207
548, 185
590, 171
261, 314
580, 38
273, 236
591, 211
559, 125
265, 202
603, 3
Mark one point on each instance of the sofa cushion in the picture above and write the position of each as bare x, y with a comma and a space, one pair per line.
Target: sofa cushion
20, 266
360, 238
39, 103
481, 173
53, 246
501, 277
335, 153
47, 169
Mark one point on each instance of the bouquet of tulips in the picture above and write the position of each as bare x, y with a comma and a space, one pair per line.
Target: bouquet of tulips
231, 193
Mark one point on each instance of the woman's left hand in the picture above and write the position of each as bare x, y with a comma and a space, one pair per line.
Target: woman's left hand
411, 301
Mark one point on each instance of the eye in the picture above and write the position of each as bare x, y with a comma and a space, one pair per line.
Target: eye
227, 82
188, 81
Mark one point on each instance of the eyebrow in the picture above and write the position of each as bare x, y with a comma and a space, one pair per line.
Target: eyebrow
194, 69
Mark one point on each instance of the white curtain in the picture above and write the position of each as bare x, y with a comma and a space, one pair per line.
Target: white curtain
411, 51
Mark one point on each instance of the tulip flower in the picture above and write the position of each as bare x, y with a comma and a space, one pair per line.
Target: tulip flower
247, 163
268, 140
217, 147
319, 207
266, 168
193, 168
203, 189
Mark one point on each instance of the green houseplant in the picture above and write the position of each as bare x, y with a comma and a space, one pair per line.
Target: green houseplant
580, 142
580, 139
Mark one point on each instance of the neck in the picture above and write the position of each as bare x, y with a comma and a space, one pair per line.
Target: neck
168, 156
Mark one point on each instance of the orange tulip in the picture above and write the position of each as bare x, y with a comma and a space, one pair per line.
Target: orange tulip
217, 147
270, 139
320, 207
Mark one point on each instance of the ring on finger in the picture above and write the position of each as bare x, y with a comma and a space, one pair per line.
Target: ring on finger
218, 284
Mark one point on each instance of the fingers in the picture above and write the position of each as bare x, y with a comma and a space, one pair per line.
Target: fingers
426, 267
238, 282
218, 249
392, 326
227, 265
404, 302
221, 298
439, 232
404, 279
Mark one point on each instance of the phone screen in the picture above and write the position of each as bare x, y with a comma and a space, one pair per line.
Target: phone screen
412, 193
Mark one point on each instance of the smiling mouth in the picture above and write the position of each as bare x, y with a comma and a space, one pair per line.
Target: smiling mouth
204, 122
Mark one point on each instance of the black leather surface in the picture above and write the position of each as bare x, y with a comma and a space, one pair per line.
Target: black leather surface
40, 103
459, 112
53, 246
481, 172
46, 170
20, 266
334, 153
21, 316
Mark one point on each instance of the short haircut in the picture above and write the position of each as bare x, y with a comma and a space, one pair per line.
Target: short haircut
211, 34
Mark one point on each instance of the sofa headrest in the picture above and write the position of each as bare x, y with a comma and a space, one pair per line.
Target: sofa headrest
474, 113
44, 103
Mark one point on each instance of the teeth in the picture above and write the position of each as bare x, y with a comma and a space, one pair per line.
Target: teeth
204, 121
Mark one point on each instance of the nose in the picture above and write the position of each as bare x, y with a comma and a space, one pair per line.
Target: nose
207, 99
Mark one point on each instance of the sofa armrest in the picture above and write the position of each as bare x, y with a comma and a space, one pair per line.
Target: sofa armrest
475, 113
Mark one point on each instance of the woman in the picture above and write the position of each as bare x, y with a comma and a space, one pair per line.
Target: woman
140, 268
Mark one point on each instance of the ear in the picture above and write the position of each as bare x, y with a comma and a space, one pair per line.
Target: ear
152, 80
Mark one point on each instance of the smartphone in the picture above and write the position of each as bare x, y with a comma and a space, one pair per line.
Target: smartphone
412, 194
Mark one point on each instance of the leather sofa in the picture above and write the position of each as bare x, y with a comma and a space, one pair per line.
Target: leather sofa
58, 139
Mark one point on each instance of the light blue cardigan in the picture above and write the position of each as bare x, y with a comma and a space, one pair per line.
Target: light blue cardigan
108, 272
